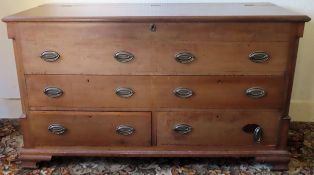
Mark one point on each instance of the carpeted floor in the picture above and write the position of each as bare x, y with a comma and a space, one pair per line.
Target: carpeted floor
301, 145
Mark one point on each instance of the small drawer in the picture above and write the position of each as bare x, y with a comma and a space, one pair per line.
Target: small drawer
88, 129
218, 128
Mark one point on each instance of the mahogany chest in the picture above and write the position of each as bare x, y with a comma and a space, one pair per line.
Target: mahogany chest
156, 80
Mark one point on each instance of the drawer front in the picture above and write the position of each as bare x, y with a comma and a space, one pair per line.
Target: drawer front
89, 129
218, 128
51, 91
218, 91
89, 91
90, 48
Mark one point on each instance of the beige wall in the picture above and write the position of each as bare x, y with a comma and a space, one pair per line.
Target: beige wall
9, 93
302, 103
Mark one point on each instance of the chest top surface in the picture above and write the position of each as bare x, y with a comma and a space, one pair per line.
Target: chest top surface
197, 12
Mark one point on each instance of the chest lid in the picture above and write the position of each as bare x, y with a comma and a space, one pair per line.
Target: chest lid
158, 12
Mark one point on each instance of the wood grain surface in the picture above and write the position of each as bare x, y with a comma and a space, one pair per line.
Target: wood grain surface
159, 12
155, 91
217, 128
86, 45
88, 129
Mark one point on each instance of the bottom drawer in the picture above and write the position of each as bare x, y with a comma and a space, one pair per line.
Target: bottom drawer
88, 129
218, 128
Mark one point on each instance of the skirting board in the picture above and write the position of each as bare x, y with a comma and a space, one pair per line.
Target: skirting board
299, 110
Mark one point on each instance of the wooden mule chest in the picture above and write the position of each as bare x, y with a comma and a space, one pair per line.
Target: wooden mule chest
156, 80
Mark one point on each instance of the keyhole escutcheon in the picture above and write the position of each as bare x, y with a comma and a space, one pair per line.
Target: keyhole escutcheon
153, 27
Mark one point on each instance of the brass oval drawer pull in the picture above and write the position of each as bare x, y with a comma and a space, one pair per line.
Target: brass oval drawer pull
255, 92
123, 56
57, 129
256, 130
125, 130
124, 92
182, 128
183, 92
259, 57
50, 56
53, 92
184, 57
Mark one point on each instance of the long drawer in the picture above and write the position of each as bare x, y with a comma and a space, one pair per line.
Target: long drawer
66, 91
133, 49
218, 128
88, 129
